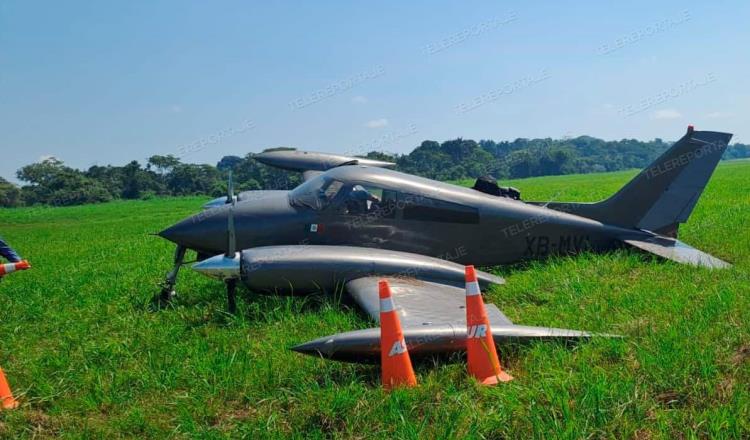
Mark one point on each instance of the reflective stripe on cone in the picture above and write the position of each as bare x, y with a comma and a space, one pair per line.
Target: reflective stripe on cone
12, 267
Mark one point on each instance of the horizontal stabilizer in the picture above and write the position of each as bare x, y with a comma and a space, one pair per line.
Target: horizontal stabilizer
678, 251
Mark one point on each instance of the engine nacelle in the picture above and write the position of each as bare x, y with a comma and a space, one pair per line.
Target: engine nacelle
311, 268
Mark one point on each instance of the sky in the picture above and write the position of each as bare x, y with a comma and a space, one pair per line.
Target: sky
106, 82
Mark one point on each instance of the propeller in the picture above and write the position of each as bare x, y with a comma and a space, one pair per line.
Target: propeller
231, 200
226, 266
231, 283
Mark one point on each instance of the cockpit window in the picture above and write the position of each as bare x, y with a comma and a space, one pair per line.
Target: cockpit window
332, 189
434, 210
367, 200
316, 193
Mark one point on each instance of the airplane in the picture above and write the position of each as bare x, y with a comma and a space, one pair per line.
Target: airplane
354, 221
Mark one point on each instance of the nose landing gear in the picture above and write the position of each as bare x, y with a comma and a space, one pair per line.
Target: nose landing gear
167, 294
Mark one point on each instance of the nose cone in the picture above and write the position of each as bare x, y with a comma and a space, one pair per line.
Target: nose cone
260, 219
216, 203
206, 231
220, 267
319, 347
361, 346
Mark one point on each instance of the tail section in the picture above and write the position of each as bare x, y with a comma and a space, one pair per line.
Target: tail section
664, 194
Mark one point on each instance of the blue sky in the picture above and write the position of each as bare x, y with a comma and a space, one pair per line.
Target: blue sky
108, 82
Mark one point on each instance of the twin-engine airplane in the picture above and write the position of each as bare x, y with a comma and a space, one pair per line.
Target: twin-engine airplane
354, 221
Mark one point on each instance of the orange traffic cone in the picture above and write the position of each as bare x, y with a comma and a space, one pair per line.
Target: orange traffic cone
394, 357
482, 357
6, 396
12, 267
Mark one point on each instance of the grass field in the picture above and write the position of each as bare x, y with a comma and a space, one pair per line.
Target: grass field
87, 357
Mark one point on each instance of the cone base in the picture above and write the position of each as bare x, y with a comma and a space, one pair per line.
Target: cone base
495, 379
10, 403
399, 383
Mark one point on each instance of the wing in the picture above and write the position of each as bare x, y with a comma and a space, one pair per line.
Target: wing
430, 299
419, 302
432, 317
678, 251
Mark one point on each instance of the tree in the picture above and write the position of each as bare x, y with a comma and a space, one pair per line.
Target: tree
378, 155
109, 176
10, 195
51, 182
191, 179
252, 175
228, 163
163, 164
137, 182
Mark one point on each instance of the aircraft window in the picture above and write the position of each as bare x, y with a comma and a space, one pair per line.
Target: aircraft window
332, 189
429, 209
388, 204
316, 193
363, 199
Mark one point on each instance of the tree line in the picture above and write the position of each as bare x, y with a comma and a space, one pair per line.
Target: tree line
51, 182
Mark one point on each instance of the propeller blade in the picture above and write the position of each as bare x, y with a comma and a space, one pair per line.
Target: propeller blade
230, 189
231, 238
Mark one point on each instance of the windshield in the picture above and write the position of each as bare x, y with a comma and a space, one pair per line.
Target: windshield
316, 193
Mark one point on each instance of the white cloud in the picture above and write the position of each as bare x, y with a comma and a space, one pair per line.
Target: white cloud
667, 113
359, 99
718, 115
377, 123
44, 157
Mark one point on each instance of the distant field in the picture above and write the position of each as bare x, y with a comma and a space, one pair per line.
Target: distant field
87, 358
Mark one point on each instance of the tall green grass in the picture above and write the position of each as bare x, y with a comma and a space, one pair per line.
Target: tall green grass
87, 357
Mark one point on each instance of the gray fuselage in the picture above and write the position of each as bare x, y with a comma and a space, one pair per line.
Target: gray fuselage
398, 212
